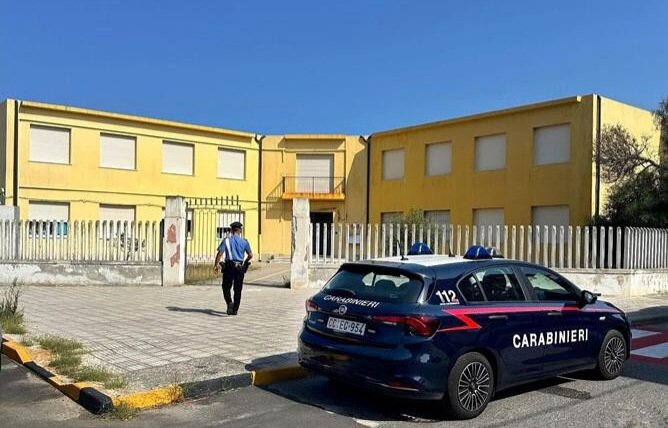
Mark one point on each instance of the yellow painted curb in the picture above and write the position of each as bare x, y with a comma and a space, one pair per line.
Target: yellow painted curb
16, 352
278, 374
153, 398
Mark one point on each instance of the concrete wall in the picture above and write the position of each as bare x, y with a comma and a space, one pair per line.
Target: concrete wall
58, 273
617, 283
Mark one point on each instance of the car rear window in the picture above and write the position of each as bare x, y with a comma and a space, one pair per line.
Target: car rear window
381, 286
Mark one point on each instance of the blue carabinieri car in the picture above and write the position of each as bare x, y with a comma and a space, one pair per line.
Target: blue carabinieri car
457, 329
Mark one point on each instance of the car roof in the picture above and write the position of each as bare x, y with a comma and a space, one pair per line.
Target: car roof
439, 266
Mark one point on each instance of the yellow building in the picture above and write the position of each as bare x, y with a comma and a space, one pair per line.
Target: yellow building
525, 165
72, 164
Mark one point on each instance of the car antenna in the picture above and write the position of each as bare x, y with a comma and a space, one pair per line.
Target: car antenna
401, 253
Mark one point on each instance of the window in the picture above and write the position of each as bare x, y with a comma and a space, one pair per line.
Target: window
225, 218
117, 213
557, 215
177, 158
488, 217
376, 285
58, 212
315, 174
549, 286
390, 218
189, 223
470, 289
393, 164
552, 144
231, 164
49, 144
117, 151
438, 159
490, 152
439, 217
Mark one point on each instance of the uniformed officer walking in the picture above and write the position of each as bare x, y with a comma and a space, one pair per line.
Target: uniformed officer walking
237, 252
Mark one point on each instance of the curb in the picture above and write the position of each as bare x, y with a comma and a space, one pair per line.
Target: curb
649, 319
98, 402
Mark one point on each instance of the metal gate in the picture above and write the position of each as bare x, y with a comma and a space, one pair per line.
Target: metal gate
208, 220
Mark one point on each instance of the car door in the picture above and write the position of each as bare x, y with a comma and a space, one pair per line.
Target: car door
505, 316
565, 330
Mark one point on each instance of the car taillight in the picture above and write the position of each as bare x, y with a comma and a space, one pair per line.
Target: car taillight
420, 325
311, 307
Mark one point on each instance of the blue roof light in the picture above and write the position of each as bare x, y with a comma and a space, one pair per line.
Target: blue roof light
419, 248
478, 252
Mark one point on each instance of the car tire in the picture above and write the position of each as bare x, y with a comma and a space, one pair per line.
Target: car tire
611, 356
470, 386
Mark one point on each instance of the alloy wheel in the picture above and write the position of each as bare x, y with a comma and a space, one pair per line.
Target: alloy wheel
615, 353
474, 386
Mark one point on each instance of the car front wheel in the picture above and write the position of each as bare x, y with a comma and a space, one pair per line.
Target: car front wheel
611, 356
470, 386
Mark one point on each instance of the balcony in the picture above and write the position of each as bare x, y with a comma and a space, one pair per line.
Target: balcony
314, 188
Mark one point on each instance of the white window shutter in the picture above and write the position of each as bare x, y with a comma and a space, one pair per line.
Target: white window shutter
51, 211
48, 144
177, 158
393, 164
555, 215
231, 164
390, 218
439, 217
117, 151
490, 152
315, 173
438, 159
117, 213
488, 217
552, 144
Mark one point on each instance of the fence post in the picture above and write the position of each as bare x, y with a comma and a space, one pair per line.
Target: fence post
301, 243
12, 241
173, 244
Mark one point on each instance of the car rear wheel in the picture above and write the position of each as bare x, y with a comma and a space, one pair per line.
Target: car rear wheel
470, 386
611, 356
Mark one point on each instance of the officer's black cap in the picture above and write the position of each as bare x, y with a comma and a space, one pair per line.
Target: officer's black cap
236, 225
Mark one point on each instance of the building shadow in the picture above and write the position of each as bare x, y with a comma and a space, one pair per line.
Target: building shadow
212, 312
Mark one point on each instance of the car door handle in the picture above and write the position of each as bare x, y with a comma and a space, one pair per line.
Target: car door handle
498, 317
554, 314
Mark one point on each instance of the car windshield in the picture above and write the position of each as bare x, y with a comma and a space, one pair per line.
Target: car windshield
369, 284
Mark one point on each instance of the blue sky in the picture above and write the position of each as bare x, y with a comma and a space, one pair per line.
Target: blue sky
345, 66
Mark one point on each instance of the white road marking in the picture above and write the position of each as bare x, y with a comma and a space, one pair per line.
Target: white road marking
654, 351
638, 334
366, 423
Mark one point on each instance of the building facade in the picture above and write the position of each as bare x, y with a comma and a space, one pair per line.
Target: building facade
532, 164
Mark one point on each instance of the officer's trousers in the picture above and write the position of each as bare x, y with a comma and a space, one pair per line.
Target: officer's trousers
232, 277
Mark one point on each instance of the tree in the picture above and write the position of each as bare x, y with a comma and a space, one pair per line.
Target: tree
640, 201
622, 155
661, 120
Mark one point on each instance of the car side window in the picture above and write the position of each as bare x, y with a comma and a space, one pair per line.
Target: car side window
500, 284
548, 286
470, 289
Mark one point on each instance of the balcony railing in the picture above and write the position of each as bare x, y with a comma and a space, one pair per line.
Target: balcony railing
313, 187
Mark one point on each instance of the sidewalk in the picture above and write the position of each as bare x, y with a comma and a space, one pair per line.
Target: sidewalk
157, 336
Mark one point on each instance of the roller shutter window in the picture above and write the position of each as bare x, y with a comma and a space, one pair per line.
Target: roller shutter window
552, 144
439, 217
390, 218
116, 213
393, 164
50, 212
555, 215
231, 164
438, 159
48, 144
177, 158
117, 151
225, 218
490, 152
315, 173
488, 217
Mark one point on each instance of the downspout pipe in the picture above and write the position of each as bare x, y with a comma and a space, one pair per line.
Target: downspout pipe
15, 192
597, 196
258, 139
367, 141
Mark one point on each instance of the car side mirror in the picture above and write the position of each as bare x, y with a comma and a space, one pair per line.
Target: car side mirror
588, 297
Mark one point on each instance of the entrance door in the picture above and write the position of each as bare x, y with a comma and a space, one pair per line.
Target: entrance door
324, 245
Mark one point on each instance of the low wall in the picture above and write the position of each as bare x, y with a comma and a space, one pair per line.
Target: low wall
608, 282
82, 273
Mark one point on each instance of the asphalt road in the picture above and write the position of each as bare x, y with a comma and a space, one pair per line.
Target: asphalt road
638, 398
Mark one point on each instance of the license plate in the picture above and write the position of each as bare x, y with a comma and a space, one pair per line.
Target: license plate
346, 326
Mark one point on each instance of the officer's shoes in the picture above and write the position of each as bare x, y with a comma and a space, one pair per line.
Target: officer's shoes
230, 311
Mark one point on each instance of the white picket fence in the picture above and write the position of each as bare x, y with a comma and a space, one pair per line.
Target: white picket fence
94, 241
572, 247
